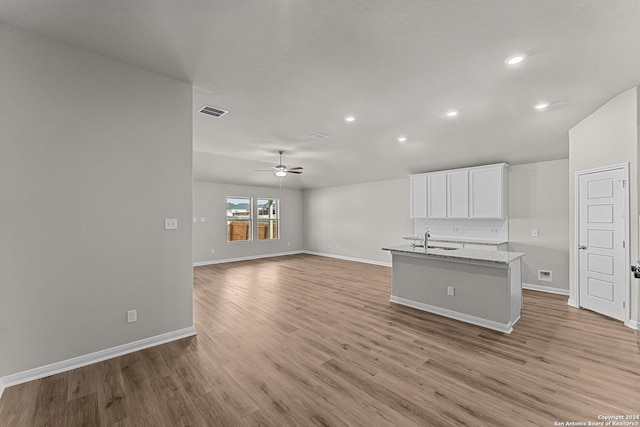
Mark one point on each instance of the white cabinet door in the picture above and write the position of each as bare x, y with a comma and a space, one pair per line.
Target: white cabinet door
486, 192
437, 195
458, 194
418, 185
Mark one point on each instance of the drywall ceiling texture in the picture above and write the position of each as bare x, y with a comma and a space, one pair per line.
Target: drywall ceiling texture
209, 201
95, 154
539, 200
607, 137
357, 221
288, 69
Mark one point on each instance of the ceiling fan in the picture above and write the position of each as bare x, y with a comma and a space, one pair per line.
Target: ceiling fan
281, 170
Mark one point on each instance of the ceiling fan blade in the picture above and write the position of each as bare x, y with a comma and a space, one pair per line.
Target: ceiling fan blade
290, 171
296, 168
263, 170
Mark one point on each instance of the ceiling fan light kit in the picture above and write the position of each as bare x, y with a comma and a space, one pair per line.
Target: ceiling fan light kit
281, 170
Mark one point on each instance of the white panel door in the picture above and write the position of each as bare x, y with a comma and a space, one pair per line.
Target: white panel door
486, 192
418, 186
602, 265
458, 194
437, 195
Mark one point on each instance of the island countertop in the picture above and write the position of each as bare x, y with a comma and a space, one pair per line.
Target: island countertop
496, 257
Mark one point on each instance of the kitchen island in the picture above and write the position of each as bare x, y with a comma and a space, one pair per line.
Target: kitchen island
472, 285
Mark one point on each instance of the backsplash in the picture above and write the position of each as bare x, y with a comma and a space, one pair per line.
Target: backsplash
490, 229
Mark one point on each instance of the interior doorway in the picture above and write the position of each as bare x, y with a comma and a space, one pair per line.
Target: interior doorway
602, 219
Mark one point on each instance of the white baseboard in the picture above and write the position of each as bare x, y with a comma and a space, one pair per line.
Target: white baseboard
633, 324
490, 324
573, 303
548, 289
244, 258
91, 358
347, 258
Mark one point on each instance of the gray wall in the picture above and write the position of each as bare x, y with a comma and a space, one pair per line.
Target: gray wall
539, 199
357, 220
609, 136
210, 201
94, 154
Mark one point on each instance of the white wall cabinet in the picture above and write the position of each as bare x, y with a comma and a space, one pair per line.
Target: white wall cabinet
458, 194
477, 193
487, 192
437, 195
418, 188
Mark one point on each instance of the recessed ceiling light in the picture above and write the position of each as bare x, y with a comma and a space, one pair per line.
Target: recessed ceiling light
402, 139
452, 113
541, 106
515, 59
349, 118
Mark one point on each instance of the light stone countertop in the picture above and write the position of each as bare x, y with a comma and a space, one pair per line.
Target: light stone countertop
461, 240
495, 257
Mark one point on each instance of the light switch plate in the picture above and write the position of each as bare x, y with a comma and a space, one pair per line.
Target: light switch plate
195, 219
171, 223
535, 233
203, 219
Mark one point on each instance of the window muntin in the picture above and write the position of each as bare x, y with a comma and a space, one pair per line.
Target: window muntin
268, 215
239, 219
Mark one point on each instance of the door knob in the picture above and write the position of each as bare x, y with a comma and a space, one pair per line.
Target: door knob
582, 247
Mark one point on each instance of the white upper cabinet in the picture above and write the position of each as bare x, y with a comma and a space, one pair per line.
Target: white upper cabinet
418, 185
437, 195
458, 194
487, 193
478, 192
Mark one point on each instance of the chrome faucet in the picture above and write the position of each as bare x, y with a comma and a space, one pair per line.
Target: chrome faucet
418, 237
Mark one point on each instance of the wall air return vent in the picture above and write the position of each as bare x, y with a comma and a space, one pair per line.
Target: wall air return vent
212, 111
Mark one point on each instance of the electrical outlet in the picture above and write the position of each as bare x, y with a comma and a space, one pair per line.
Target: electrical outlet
203, 219
132, 316
451, 291
195, 219
171, 223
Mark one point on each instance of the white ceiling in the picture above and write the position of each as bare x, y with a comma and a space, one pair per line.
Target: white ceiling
286, 69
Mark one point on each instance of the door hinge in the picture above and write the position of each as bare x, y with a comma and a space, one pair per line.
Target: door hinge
623, 304
624, 244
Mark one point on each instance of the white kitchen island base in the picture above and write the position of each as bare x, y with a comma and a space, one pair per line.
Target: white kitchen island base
487, 289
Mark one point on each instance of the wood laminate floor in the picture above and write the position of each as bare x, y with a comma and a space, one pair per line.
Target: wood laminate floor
310, 341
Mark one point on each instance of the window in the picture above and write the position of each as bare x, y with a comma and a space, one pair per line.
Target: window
238, 219
268, 216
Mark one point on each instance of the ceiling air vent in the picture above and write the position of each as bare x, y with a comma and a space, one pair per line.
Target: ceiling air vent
212, 111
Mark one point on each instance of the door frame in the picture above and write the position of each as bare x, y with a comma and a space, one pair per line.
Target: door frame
627, 222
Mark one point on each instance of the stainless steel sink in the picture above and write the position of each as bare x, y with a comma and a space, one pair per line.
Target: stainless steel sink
435, 247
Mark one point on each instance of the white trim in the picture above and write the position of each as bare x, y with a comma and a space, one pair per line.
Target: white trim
548, 289
490, 324
627, 232
633, 324
244, 258
91, 358
573, 303
348, 258
1, 387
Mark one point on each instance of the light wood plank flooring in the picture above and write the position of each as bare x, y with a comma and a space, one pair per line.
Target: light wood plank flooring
310, 341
